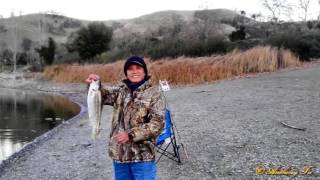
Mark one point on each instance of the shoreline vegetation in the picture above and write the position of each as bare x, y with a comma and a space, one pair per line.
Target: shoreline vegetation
185, 70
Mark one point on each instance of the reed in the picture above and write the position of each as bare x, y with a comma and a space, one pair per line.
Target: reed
185, 70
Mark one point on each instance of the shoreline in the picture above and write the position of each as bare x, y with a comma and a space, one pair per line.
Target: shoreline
47, 135
228, 127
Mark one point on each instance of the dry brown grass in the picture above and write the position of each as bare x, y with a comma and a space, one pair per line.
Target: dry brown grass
77, 73
183, 70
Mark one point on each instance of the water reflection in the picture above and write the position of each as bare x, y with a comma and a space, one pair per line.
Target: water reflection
26, 115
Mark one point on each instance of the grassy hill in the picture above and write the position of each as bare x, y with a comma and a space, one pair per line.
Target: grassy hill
160, 34
38, 27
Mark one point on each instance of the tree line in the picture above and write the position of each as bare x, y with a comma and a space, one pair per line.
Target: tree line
203, 36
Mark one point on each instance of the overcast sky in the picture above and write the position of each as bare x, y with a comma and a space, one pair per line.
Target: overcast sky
124, 9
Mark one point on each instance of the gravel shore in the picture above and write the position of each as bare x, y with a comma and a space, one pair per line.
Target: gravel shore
229, 128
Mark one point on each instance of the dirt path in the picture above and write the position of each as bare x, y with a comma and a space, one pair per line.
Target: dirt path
229, 129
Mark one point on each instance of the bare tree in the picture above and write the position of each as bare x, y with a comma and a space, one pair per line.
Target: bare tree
257, 16
319, 12
304, 5
277, 8
15, 41
243, 13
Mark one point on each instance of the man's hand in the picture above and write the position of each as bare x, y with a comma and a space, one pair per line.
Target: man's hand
122, 137
92, 77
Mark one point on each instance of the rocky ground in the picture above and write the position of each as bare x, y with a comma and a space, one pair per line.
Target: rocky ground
229, 128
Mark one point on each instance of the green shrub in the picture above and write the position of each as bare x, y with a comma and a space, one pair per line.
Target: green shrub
47, 52
305, 44
91, 41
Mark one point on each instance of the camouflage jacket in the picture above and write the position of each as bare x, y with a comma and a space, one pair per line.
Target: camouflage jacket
141, 114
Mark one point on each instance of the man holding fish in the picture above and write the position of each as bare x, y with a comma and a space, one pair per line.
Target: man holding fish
138, 118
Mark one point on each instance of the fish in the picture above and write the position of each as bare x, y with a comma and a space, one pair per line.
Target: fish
94, 108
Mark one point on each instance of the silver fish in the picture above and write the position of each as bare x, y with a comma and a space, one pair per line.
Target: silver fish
94, 107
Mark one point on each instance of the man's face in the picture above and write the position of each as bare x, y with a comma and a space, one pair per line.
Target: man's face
135, 73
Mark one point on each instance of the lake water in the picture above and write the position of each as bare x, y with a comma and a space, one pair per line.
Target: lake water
25, 115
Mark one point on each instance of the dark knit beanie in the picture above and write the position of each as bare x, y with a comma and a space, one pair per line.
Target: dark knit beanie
135, 60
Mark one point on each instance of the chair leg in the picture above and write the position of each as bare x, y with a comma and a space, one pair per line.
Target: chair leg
163, 152
176, 149
175, 156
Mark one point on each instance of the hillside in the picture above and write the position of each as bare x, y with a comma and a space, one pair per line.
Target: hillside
38, 27
165, 34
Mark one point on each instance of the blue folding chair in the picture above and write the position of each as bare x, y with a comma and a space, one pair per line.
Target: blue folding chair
167, 139
166, 143
167, 132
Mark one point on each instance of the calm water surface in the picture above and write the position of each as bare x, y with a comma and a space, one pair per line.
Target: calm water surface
25, 115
